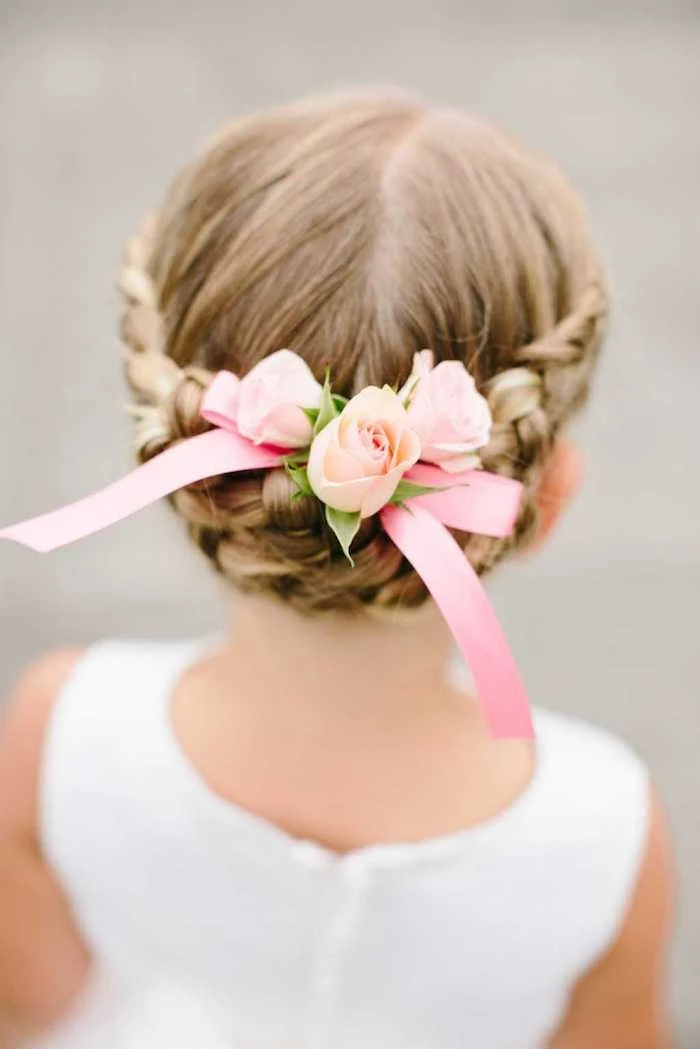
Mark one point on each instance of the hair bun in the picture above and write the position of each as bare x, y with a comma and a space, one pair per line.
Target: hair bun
286, 507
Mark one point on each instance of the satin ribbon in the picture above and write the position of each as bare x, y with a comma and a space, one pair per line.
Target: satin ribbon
458, 593
473, 501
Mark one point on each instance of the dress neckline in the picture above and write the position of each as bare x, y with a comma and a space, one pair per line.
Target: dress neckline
229, 815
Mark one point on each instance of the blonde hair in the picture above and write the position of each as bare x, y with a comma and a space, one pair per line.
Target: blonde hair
357, 230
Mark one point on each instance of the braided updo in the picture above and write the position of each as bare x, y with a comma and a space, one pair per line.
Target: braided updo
357, 231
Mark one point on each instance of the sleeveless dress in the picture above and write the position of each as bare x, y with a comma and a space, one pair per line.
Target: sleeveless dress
212, 928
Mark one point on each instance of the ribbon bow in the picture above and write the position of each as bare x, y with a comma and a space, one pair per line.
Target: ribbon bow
476, 501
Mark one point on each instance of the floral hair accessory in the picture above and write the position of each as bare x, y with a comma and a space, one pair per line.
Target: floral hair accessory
450, 415
410, 456
275, 400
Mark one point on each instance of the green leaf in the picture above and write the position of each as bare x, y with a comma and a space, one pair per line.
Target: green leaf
339, 401
410, 392
345, 527
327, 410
408, 490
300, 477
299, 458
311, 414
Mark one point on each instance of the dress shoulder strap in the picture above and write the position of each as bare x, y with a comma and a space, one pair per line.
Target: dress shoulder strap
594, 802
103, 747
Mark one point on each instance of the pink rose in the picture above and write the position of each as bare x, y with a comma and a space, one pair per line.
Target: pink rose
272, 398
450, 416
358, 459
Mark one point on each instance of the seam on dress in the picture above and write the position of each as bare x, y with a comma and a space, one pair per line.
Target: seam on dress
349, 891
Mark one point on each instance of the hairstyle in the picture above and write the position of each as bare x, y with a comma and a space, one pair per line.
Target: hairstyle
357, 230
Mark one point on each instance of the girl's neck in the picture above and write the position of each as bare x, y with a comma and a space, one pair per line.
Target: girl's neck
344, 731
337, 669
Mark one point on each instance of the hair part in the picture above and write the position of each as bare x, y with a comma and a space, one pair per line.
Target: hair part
357, 230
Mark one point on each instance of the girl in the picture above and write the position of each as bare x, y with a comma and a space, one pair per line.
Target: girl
302, 834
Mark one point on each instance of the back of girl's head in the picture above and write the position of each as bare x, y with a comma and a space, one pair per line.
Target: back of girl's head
357, 230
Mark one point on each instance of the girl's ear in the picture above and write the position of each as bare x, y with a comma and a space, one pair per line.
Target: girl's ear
560, 481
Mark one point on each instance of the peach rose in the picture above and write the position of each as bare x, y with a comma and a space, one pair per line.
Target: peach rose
449, 414
271, 399
358, 459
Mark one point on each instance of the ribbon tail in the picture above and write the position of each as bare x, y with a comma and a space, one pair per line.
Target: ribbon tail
194, 459
461, 598
471, 501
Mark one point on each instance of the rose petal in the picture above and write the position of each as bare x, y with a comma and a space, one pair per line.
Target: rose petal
448, 449
341, 465
406, 443
350, 439
317, 455
447, 409
458, 463
325, 454
422, 413
286, 425
349, 436
422, 364
348, 495
291, 375
381, 491
409, 448
375, 405
281, 381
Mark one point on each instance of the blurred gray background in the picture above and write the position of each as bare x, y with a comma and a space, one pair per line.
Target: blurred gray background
98, 105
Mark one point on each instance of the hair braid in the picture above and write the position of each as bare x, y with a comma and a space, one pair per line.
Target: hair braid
530, 402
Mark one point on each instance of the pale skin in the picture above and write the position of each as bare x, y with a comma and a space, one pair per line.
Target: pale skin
331, 755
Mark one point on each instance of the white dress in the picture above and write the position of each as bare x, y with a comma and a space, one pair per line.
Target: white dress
214, 929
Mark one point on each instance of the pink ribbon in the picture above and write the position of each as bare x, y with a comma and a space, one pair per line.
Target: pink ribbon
458, 593
473, 501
